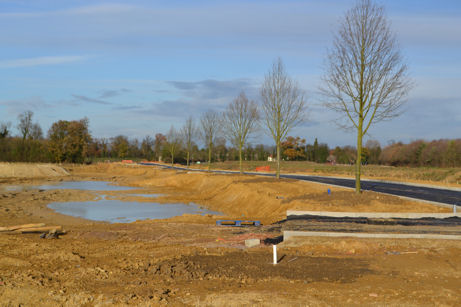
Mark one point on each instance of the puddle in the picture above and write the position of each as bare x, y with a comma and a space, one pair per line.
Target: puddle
13, 188
116, 211
144, 195
85, 185
108, 209
70, 185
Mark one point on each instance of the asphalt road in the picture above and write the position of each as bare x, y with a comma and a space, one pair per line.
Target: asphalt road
449, 197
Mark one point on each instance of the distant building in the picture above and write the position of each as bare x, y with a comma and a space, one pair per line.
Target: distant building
270, 159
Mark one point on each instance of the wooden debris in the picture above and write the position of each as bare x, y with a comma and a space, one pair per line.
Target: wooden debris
49, 232
24, 226
39, 229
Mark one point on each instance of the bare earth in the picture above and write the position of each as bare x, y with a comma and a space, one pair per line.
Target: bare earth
187, 260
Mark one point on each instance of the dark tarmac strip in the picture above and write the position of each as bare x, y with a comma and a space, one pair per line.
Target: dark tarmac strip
443, 196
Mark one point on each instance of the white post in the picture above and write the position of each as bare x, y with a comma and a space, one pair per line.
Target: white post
454, 209
274, 249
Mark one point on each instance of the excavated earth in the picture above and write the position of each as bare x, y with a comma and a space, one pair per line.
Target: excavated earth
188, 260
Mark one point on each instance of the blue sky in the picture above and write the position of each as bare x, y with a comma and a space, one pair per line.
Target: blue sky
138, 67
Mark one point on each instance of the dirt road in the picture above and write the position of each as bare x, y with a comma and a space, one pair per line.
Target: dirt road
188, 260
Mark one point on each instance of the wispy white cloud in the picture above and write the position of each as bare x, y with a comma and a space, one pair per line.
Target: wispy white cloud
89, 99
39, 61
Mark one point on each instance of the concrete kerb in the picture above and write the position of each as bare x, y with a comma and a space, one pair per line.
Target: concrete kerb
289, 234
375, 215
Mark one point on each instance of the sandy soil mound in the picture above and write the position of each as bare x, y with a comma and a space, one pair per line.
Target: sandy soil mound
30, 170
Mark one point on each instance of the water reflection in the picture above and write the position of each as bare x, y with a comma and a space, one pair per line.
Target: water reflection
85, 185
68, 185
116, 211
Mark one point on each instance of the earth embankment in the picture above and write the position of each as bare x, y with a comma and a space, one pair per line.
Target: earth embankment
31, 170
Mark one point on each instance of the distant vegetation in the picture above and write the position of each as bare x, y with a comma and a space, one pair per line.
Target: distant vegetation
71, 142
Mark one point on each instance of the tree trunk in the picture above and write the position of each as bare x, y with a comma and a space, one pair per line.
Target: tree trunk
277, 172
358, 162
209, 156
172, 159
188, 164
240, 159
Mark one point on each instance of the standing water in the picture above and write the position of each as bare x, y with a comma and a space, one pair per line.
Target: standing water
116, 211
113, 210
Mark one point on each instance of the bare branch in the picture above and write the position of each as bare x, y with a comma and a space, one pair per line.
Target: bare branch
189, 133
366, 80
210, 128
282, 104
239, 121
173, 142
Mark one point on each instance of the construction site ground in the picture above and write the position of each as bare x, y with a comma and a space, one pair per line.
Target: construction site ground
188, 260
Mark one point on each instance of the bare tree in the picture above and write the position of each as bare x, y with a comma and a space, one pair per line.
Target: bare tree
210, 128
366, 79
36, 132
282, 104
159, 142
5, 130
189, 132
240, 120
173, 142
25, 124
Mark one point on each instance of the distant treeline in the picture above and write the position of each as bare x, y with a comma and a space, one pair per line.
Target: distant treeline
442, 153
71, 141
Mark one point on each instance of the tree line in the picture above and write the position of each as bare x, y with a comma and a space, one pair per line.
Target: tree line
71, 142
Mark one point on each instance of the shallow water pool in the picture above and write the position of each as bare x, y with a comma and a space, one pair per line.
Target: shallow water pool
116, 211
85, 185
70, 185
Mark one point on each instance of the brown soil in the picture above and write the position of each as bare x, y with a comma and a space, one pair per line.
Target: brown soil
188, 260
27, 170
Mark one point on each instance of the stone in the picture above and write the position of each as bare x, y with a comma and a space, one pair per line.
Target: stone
252, 242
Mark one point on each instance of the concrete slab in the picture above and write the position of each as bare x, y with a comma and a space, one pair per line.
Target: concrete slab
252, 242
288, 234
375, 215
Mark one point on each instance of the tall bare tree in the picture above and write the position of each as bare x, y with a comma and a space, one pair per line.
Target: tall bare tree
173, 142
189, 132
282, 104
366, 78
210, 123
25, 124
240, 120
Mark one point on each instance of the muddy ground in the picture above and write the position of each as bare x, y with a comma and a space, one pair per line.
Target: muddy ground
188, 260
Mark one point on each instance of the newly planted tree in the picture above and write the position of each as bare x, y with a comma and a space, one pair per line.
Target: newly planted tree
189, 132
366, 79
173, 142
210, 123
282, 104
240, 120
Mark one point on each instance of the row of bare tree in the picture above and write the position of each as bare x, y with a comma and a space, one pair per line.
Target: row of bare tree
366, 81
282, 108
